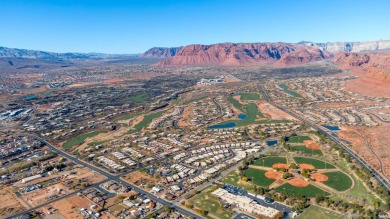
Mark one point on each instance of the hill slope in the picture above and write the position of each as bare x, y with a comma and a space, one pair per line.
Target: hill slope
161, 52
374, 65
245, 53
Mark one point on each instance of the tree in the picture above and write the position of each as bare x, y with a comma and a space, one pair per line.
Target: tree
293, 166
244, 179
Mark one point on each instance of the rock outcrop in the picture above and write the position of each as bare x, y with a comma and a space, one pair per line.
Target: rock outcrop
374, 65
244, 53
161, 52
304, 55
334, 47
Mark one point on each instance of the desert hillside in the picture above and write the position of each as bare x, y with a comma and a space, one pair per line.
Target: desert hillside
246, 53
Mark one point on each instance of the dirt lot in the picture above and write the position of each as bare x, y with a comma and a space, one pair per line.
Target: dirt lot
10, 204
273, 112
85, 173
40, 196
378, 139
138, 178
69, 207
183, 120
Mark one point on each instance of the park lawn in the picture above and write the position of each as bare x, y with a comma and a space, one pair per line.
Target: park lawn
140, 98
78, 140
250, 96
126, 117
147, 119
318, 164
287, 90
258, 177
207, 202
297, 139
338, 180
195, 100
234, 179
308, 191
236, 104
306, 150
269, 161
319, 213
93, 144
178, 100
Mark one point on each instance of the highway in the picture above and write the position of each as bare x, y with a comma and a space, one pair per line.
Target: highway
381, 180
117, 179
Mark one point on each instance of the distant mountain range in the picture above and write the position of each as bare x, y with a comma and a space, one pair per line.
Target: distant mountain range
249, 53
36, 54
334, 47
245, 53
161, 52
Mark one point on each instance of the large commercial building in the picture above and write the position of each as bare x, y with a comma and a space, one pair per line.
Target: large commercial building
247, 204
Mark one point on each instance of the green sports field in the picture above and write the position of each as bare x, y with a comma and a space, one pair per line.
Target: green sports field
306, 150
258, 177
308, 191
269, 161
207, 202
297, 139
250, 96
319, 213
287, 90
338, 181
318, 164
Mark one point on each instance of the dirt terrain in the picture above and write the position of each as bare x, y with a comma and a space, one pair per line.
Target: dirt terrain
280, 165
311, 144
86, 173
183, 120
378, 139
273, 175
298, 182
306, 166
138, 177
41, 196
319, 177
273, 112
369, 87
10, 204
69, 207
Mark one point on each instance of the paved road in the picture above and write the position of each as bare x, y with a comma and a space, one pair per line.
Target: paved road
385, 183
379, 118
117, 179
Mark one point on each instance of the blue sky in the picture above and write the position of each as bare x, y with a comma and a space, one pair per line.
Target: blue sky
133, 26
